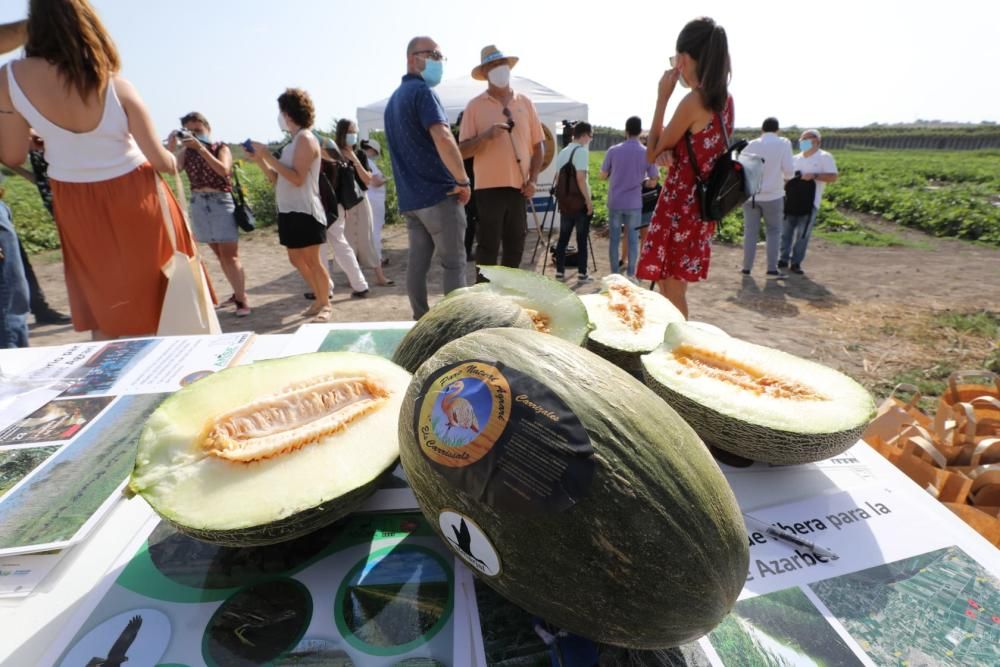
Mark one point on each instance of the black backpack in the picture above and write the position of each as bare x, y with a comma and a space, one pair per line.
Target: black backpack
728, 184
799, 196
567, 190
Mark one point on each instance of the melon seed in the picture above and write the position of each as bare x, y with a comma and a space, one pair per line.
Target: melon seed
296, 416
718, 366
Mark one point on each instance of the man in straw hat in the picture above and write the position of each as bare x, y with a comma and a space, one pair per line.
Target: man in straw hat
501, 129
431, 184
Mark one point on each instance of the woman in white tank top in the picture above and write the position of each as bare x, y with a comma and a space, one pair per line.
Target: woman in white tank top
295, 174
103, 155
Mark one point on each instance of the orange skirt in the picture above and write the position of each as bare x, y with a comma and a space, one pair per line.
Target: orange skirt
114, 243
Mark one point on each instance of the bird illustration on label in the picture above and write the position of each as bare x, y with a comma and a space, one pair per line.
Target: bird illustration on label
463, 539
457, 410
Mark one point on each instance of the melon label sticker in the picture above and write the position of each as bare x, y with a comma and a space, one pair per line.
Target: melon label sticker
469, 542
503, 437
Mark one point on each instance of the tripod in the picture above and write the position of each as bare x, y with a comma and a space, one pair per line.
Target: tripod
550, 207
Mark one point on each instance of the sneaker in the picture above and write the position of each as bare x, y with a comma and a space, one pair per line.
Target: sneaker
308, 296
363, 294
775, 274
231, 301
797, 269
745, 272
560, 275
782, 264
584, 278
242, 309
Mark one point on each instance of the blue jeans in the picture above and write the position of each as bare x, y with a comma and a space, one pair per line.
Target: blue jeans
630, 218
14, 301
567, 223
795, 233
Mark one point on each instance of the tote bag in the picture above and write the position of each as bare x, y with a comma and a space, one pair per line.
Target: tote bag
187, 306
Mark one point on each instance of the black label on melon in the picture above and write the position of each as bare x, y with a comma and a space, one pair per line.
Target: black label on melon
503, 437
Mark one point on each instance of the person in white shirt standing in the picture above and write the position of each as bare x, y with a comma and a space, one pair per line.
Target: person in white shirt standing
769, 203
811, 164
376, 193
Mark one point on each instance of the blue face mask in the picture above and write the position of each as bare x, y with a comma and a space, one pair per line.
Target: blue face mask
351, 138
433, 71
805, 145
203, 138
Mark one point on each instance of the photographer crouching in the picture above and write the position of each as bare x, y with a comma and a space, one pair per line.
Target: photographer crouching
208, 165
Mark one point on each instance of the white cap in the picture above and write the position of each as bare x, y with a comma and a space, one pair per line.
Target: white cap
375, 146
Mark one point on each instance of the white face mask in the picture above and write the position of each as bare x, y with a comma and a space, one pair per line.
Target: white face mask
282, 125
499, 76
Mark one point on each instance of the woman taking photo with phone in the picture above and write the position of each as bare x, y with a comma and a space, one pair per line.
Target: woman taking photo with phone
678, 246
295, 175
208, 165
104, 155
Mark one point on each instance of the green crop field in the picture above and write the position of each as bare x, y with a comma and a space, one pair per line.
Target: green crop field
944, 193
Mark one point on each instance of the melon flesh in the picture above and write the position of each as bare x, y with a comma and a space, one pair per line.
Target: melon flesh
555, 308
627, 317
257, 445
755, 401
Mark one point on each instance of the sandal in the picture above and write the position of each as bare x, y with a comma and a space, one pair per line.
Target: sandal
324, 314
312, 310
388, 282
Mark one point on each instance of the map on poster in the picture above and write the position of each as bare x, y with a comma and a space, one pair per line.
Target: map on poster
374, 589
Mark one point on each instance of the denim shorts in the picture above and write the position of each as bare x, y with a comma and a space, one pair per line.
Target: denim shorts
212, 217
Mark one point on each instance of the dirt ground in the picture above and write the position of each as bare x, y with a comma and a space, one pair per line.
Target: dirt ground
865, 311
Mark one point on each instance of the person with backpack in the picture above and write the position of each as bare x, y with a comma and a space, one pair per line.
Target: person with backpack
678, 246
769, 202
573, 196
209, 165
627, 170
815, 167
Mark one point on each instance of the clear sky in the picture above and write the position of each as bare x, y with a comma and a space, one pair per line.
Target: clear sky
845, 63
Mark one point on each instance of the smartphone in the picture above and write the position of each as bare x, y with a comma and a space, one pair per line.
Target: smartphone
248, 147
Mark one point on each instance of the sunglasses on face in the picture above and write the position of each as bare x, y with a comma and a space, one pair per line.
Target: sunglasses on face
433, 54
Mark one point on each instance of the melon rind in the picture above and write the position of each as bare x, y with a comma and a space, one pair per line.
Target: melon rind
537, 292
453, 318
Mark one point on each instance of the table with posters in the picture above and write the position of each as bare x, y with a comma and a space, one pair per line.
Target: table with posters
910, 582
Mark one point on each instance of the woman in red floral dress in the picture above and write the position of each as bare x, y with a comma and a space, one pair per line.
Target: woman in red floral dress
678, 246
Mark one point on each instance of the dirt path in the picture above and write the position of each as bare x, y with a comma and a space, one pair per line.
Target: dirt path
862, 310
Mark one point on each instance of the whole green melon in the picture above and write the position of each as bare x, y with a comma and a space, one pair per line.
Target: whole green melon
572, 489
754, 401
267, 452
454, 317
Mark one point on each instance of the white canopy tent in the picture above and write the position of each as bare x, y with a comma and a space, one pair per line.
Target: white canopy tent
552, 107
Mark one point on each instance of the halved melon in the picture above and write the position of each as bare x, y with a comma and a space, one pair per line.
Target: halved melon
268, 452
628, 321
555, 308
755, 401
455, 317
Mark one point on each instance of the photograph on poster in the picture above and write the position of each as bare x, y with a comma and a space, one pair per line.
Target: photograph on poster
371, 590
16, 464
100, 372
782, 628
940, 608
55, 421
61, 498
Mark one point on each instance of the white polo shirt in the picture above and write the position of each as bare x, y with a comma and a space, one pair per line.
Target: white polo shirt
819, 162
778, 165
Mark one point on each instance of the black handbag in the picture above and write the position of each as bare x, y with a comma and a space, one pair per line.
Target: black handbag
242, 213
349, 193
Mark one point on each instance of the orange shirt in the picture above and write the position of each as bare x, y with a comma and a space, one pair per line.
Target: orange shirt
495, 164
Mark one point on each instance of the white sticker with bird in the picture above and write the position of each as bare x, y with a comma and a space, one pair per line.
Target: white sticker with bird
467, 539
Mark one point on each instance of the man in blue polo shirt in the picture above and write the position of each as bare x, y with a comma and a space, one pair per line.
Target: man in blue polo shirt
431, 184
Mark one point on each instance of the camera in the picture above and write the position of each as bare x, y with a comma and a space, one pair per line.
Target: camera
183, 134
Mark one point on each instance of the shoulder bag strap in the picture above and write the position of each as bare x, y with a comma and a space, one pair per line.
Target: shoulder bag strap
691, 158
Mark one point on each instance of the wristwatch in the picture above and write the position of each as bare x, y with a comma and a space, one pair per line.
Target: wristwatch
463, 184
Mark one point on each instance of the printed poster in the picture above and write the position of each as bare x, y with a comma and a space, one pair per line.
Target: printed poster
372, 590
